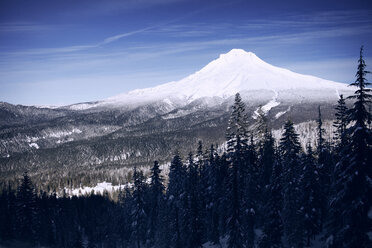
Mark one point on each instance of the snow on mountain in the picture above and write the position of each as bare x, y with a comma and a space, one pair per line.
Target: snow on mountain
235, 71
266, 108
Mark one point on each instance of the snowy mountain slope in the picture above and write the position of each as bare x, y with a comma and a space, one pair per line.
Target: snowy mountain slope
235, 71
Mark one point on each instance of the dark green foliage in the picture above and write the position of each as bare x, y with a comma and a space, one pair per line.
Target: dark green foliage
8, 216
138, 215
321, 131
176, 200
324, 166
350, 204
273, 225
156, 191
289, 151
311, 199
237, 148
340, 124
27, 211
193, 211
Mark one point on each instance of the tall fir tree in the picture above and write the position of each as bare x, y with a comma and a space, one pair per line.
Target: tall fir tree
215, 196
266, 163
250, 184
27, 211
311, 198
8, 216
193, 211
138, 214
272, 230
237, 132
260, 127
156, 191
321, 132
237, 142
324, 165
175, 202
349, 218
289, 150
340, 124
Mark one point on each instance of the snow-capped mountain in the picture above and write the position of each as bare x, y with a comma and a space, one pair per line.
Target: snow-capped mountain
147, 124
235, 71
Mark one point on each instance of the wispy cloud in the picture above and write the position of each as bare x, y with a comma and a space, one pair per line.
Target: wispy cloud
22, 27
123, 35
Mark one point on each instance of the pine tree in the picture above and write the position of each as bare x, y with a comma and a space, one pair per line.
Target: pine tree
224, 193
192, 213
260, 127
311, 200
27, 212
237, 133
237, 145
156, 194
138, 212
78, 242
7, 214
350, 205
289, 150
126, 206
324, 165
216, 184
321, 132
273, 225
266, 163
175, 202
340, 123
250, 174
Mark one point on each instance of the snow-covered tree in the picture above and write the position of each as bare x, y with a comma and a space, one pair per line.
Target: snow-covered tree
260, 127
237, 145
340, 123
350, 206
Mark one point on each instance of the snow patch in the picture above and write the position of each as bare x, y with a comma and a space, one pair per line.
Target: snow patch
60, 134
279, 114
83, 106
34, 145
266, 108
98, 189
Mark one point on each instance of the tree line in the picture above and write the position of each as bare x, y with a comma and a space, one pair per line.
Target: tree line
258, 193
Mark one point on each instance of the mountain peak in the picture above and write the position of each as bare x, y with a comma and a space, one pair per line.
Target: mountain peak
240, 53
237, 57
234, 71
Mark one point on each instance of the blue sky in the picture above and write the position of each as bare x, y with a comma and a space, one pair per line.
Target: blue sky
63, 52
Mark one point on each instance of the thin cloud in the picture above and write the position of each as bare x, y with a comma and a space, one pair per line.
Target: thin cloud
70, 49
123, 35
22, 27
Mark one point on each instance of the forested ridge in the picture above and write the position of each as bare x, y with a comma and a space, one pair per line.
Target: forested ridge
259, 193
